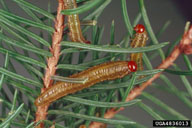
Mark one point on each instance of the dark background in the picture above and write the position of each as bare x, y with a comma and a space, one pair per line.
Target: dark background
159, 12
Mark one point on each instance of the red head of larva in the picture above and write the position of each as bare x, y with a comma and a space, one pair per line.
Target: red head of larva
88, 42
139, 28
132, 66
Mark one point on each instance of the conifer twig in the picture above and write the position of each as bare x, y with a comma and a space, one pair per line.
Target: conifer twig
52, 61
184, 47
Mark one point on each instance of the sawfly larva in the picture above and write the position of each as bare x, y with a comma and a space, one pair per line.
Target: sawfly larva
139, 40
75, 32
106, 71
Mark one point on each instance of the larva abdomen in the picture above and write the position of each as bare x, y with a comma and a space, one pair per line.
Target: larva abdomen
75, 32
99, 73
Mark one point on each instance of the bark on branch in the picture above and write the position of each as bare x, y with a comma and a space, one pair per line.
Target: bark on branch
41, 112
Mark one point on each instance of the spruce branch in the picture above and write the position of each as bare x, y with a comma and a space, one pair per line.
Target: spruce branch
96, 104
53, 60
184, 47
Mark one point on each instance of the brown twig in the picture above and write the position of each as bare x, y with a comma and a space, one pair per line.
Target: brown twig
52, 61
183, 47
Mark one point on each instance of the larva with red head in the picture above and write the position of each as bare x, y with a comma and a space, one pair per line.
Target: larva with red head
75, 32
96, 74
139, 40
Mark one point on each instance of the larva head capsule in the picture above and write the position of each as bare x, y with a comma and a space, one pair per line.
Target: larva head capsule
139, 28
88, 42
132, 66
